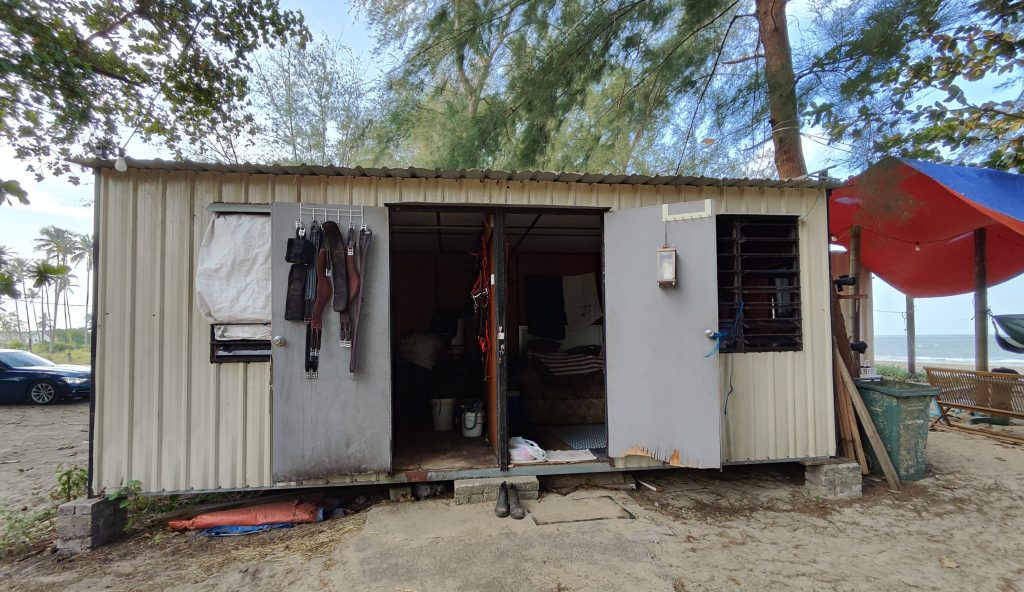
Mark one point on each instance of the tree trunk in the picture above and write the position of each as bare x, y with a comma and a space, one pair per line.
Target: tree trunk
88, 329
29, 313
53, 321
781, 83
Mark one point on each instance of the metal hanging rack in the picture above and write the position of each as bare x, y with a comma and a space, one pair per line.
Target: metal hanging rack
311, 213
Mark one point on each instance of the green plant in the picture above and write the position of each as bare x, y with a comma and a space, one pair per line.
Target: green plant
71, 483
899, 373
24, 529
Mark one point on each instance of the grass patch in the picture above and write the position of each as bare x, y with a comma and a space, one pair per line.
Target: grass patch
24, 529
79, 357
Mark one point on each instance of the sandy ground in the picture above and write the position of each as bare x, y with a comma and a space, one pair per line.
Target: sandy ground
745, 528
34, 441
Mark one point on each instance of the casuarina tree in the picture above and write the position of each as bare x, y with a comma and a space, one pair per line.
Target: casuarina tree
87, 76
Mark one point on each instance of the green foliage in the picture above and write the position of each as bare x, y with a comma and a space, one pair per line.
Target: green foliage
311, 105
561, 85
901, 88
8, 286
20, 530
72, 483
75, 74
10, 188
900, 373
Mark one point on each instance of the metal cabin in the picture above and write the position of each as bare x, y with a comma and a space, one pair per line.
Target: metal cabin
184, 404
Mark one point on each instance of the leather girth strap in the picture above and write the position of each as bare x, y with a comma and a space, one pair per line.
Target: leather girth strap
339, 264
293, 303
345, 318
365, 234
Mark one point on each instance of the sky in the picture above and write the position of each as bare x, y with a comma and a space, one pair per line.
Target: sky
57, 202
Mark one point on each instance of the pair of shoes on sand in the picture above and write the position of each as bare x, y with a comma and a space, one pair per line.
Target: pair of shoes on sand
508, 502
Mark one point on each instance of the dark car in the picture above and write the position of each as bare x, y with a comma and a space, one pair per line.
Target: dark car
26, 377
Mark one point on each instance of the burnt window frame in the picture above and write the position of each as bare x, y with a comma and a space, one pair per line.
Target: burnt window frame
752, 250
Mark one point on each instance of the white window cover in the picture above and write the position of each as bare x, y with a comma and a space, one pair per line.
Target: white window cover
233, 276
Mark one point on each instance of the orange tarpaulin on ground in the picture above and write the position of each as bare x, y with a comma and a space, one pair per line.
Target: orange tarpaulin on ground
292, 511
918, 220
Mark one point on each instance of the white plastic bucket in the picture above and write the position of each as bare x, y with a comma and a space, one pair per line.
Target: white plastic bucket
443, 413
473, 424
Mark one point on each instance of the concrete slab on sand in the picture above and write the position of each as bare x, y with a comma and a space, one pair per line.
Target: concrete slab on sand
560, 510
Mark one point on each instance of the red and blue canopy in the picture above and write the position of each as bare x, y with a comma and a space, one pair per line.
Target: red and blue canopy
918, 220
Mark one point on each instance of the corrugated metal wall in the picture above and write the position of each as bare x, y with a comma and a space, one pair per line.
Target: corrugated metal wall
168, 418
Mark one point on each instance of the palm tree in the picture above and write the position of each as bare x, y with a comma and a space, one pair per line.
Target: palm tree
82, 253
58, 244
18, 268
63, 285
8, 283
45, 274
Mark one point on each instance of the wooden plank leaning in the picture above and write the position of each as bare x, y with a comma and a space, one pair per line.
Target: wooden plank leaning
869, 426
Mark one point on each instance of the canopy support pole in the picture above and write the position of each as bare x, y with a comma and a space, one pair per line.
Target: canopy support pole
980, 301
911, 337
855, 303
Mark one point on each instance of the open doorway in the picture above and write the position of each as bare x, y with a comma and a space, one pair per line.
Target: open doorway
557, 394
547, 383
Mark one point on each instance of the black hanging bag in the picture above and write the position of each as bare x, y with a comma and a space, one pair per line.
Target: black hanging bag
300, 250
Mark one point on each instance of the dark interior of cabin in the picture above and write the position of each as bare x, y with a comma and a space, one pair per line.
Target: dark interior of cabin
444, 337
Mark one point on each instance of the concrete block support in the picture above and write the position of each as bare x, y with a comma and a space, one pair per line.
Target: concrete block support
835, 478
86, 523
478, 491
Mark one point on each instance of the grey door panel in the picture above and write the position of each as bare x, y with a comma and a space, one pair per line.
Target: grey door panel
340, 422
663, 393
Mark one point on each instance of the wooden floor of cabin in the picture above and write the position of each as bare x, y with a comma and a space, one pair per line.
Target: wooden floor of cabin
441, 451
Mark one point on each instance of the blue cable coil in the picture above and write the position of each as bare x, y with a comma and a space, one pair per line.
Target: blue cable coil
727, 334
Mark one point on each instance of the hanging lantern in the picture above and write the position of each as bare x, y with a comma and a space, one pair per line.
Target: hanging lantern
666, 267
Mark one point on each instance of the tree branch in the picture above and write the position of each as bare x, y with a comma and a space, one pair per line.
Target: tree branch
748, 58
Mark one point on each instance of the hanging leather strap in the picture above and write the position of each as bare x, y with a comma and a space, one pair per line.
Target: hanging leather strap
345, 320
294, 297
339, 264
365, 234
323, 291
316, 238
353, 264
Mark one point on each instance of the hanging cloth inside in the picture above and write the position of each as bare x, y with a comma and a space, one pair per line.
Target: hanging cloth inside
545, 306
582, 304
1013, 328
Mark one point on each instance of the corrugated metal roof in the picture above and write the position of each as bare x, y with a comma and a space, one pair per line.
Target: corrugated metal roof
473, 174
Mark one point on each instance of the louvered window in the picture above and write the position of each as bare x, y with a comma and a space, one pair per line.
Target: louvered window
759, 269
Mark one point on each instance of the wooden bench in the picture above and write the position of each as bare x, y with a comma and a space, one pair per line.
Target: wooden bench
985, 392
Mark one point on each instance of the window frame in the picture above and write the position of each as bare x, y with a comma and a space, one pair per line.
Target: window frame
773, 240
221, 349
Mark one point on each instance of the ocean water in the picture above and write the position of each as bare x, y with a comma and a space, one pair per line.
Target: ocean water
933, 349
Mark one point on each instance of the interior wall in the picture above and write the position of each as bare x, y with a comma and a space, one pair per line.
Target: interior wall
424, 282
551, 264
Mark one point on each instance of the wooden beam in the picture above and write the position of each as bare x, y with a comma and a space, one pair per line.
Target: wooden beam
911, 337
855, 305
891, 476
980, 301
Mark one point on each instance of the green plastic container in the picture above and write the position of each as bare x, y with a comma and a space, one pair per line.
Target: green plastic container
900, 413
